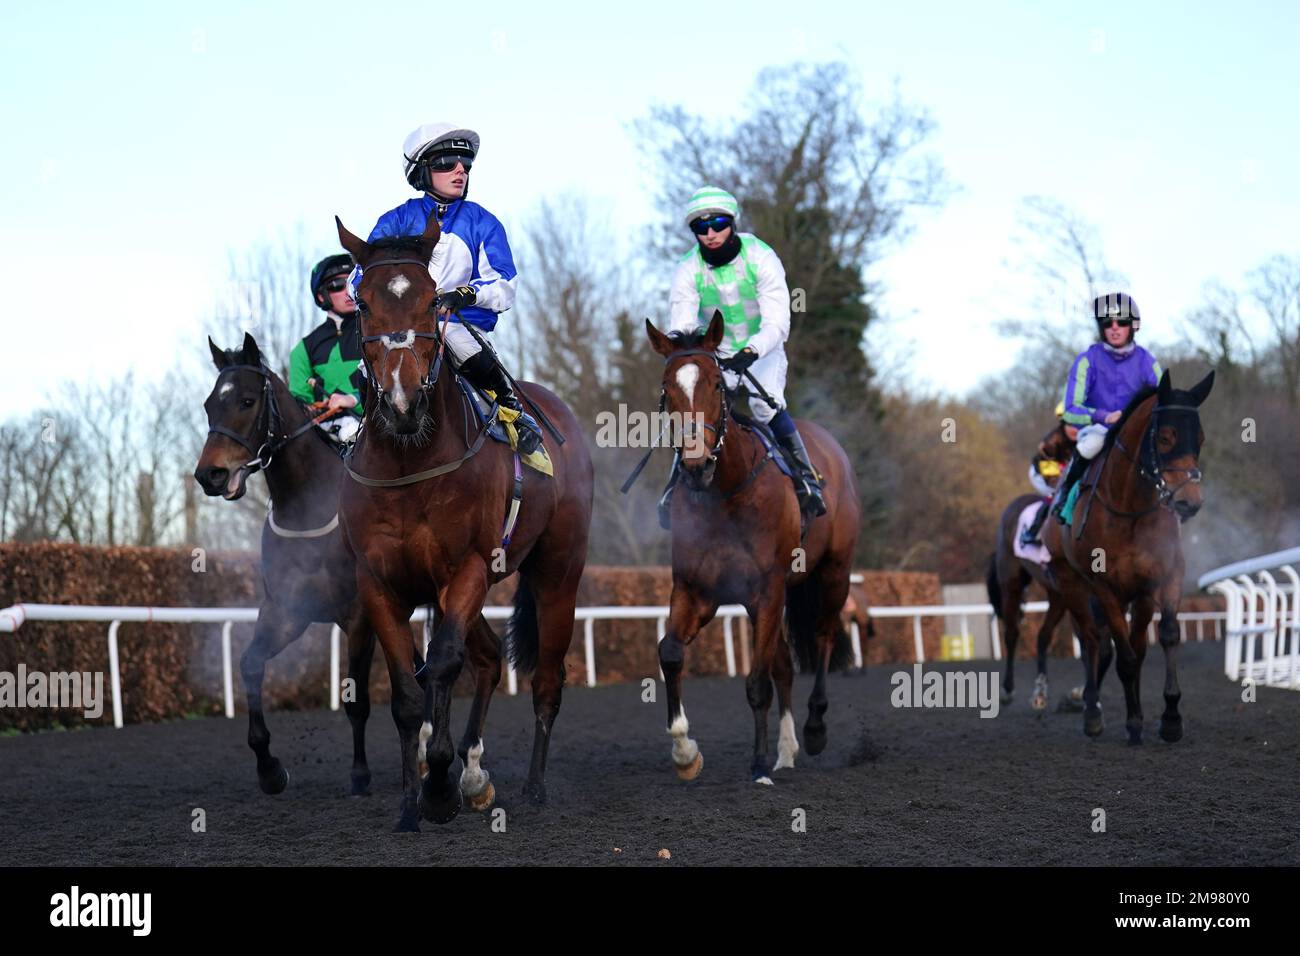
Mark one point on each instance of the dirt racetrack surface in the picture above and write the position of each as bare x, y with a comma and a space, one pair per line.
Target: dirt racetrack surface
894, 786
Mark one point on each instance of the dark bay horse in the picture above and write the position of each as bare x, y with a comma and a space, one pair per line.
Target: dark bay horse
255, 424
1123, 549
1010, 575
736, 540
425, 515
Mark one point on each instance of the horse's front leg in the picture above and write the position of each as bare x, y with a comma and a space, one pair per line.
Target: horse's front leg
361, 654
485, 657
758, 685
1171, 722
687, 613
275, 630
440, 798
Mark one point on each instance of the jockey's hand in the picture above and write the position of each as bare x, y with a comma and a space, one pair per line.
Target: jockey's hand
339, 400
740, 361
458, 298
1112, 418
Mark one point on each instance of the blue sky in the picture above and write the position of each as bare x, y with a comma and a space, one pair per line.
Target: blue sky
146, 142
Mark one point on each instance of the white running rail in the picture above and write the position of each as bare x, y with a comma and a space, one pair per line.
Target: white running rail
1263, 635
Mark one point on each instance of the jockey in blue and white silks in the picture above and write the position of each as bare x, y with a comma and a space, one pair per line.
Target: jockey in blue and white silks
1103, 380
472, 264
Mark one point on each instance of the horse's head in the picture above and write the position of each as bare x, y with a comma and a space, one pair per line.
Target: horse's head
241, 416
1173, 444
396, 304
693, 395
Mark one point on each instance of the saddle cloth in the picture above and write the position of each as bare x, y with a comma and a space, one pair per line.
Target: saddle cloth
1037, 551
769, 442
502, 428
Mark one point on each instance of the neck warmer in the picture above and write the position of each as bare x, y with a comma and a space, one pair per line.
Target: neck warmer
725, 252
1123, 350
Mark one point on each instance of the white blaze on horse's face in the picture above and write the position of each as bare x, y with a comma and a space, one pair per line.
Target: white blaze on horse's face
687, 376
398, 285
694, 448
226, 389
399, 394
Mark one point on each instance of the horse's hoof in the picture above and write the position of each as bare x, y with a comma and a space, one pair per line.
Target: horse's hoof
690, 771
274, 780
1038, 704
814, 739
1076, 694
407, 824
484, 798
1093, 726
1135, 736
361, 784
535, 793
424, 768
1005, 697
1171, 731
764, 780
440, 808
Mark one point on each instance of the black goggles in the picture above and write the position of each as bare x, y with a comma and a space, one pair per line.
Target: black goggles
337, 284
446, 162
1122, 323
716, 223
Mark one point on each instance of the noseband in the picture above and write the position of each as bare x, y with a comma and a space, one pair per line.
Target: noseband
268, 422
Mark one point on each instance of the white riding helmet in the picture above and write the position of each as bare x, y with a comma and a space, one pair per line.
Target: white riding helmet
435, 137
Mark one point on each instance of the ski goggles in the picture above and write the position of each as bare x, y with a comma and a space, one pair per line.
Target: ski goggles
716, 223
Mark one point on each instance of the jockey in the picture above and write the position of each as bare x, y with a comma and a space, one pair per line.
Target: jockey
472, 264
326, 361
1102, 381
739, 274
1045, 469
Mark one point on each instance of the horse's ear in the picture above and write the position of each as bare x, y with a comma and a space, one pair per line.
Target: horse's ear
658, 341
713, 337
252, 355
1201, 390
219, 358
359, 248
1165, 388
432, 233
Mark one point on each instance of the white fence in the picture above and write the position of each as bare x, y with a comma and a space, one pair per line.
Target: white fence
1263, 633
12, 618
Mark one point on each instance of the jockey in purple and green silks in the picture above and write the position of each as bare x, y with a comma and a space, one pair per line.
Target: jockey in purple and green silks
1103, 380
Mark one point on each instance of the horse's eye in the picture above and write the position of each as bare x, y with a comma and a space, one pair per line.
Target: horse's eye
247, 403
361, 306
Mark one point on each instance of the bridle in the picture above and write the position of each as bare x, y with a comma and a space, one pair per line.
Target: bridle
1150, 462
688, 432
400, 340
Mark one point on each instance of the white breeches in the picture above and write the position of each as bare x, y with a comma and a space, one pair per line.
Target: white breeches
460, 341
1039, 482
1091, 438
769, 371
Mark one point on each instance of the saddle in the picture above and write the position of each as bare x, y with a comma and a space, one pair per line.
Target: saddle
1088, 482
502, 427
770, 445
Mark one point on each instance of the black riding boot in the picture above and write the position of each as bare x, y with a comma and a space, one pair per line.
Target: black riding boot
486, 374
809, 488
1078, 465
1030, 535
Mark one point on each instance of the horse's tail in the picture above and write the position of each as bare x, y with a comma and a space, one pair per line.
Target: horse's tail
802, 608
994, 586
522, 636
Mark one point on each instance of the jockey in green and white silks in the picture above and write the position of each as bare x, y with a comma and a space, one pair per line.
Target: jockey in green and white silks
738, 274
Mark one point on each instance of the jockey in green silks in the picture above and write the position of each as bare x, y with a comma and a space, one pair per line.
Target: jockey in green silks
738, 274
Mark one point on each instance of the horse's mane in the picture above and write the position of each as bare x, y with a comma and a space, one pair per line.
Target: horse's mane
398, 244
1112, 433
688, 340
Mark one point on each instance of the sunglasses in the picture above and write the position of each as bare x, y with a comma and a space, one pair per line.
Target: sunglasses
337, 285
716, 223
1122, 323
447, 162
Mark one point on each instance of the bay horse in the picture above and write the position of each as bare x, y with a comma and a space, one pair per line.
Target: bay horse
1010, 575
736, 540
427, 513
256, 424
1128, 553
